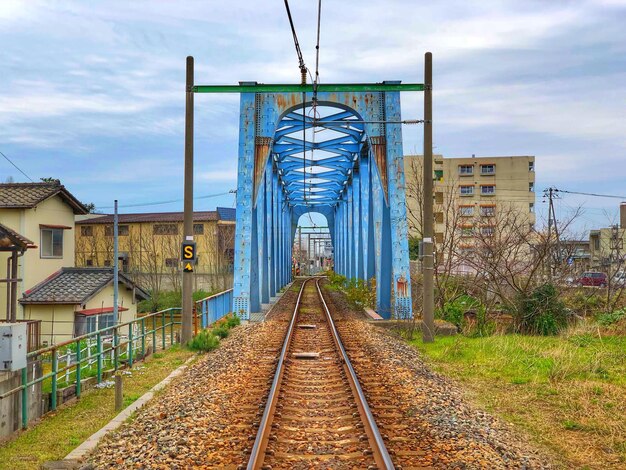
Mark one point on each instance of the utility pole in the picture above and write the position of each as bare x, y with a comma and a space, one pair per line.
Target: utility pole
187, 312
428, 316
553, 222
116, 261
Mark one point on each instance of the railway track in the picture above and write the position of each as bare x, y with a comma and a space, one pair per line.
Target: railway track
316, 415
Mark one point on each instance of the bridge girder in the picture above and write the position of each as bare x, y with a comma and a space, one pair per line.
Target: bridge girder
354, 177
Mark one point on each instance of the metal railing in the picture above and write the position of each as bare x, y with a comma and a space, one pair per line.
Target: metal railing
212, 308
109, 347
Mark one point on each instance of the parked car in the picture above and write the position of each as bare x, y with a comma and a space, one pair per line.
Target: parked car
591, 278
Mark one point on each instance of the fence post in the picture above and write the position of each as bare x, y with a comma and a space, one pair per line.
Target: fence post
115, 348
172, 327
143, 337
78, 371
163, 329
153, 334
130, 344
25, 397
55, 368
99, 359
119, 395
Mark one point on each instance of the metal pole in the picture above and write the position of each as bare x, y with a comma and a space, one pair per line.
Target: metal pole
187, 312
115, 265
119, 394
300, 249
428, 317
13, 284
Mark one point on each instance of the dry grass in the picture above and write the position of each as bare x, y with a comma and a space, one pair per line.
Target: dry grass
60, 432
568, 392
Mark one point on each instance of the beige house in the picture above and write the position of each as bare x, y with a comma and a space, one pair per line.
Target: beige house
475, 187
43, 213
76, 301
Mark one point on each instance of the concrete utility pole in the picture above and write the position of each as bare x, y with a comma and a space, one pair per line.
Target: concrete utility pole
187, 313
116, 262
428, 316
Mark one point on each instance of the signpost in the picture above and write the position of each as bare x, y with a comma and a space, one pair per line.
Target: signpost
188, 255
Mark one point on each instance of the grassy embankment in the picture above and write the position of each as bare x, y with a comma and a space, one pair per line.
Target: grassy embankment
568, 392
60, 432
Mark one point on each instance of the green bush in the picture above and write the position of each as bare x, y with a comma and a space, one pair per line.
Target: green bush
221, 331
168, 299
232, 320
454, 312
541, 312
336, 281
607, 319
204, 341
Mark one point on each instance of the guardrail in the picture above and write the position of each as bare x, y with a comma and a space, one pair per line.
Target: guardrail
114, 345
212, 308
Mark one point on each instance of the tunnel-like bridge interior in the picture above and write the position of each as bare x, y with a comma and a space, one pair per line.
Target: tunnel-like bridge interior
339, 155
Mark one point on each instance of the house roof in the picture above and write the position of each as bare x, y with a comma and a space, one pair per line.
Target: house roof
227, 213
222, 213
10, 240
28, 195
99, 311
75, 286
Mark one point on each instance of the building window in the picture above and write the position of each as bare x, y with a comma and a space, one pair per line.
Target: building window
171, 262
107, 262
488, 190
86, 231
165, 229
99, 322
89, 262
198, 229
466, 211
439, 217
596, 243
439, 197
467, 231
466, 170
531, 187
122, 230
531, 207
487, 231
531, 166
439, 238
51, 243
487, 211
466, 190
489, 169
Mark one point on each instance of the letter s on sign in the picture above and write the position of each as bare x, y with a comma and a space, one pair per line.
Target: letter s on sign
189, 252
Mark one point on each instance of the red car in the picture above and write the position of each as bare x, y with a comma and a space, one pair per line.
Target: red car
592, 279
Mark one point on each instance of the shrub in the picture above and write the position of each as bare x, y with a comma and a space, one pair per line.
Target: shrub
607, 319
540, 312
359, 294
233, 320
204, 341
221, 331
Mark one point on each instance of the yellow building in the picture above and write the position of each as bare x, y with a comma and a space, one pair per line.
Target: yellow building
76, 301
43, 213
150, 244
607, 246
470, 191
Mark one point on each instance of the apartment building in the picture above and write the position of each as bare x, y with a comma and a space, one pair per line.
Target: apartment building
470, 192
149, 246
607, 245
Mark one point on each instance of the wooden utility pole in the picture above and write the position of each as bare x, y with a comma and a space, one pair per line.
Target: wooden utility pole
187, 312
428, 316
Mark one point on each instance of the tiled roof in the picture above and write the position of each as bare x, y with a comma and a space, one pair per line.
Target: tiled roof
10, 236
227, 213
74, 286
28, 195
222, 213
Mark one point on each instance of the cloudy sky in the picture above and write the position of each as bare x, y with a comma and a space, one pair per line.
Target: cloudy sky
93, 92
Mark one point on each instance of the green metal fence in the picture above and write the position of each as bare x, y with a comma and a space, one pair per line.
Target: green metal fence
91, 354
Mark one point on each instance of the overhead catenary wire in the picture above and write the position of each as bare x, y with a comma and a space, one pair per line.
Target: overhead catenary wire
17, 167
170, 201
612, 196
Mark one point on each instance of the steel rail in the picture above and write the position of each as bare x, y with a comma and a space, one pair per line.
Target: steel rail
379, 450
265, 426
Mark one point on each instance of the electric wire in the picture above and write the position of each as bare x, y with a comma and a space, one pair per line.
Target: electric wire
590, 194
157, 203
17, 167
